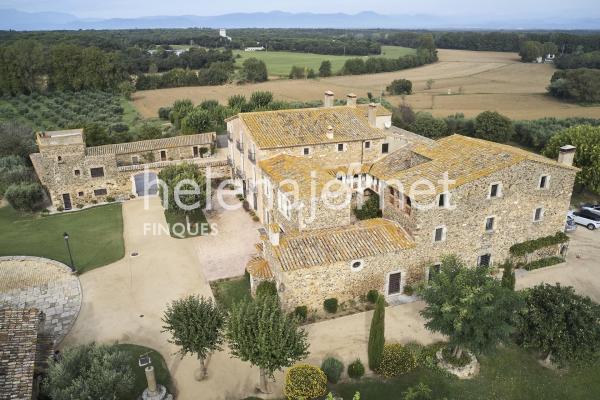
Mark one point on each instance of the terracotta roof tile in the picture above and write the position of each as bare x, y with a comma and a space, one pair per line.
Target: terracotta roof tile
152, 144
259, 268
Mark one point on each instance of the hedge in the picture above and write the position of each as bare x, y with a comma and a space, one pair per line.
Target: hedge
544, 262
521, 249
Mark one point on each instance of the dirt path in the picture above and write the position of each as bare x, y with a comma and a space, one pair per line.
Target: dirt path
476, 81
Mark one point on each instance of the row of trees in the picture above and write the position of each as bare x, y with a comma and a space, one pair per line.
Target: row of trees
217, 74
579, 60
530, 50
581, 85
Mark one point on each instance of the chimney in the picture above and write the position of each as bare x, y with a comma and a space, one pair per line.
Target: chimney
328, 101
329, 132
274, 234
351, 100
373, 115
566, 154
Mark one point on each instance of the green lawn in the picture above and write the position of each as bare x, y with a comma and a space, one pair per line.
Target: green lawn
280, 62
96, 235
510, 374
161, 371
230, 291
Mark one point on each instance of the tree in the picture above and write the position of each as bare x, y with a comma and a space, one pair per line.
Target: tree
325, 69
427, 125
531, 50
587, 155
187, 178
196, 121
354, 66
400, 86
260, 332
469, 306
196, 325
95, 134
297, 72
582, 84
490, 125
126, 89
559, 323
180, 110
254, 70
89, 372
149, 130
508, 276
429, 83
549, 48
260, 99
16, 139
377, 334
26, 196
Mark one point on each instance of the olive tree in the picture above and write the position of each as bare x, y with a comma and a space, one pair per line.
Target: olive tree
196, 325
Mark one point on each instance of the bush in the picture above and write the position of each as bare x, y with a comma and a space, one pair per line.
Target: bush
544, 262
427, 125
24, 196
266, 288
301, 312
303, 382
372, 296
419, 392
490, 125
396, 360
400, 86
110, 199
356, 369
331, 305
333, 369
163, 113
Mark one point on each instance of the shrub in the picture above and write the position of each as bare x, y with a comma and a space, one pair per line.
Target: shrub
301, 312
333, 368
396, 360
60, 208
449, 356
303, 382
24, 196
266, 288
110, 199
400, 86
377, 334
409, 290
356, 369
490, 125
372, 296
544, 262
331, 305
419, 392
163, 113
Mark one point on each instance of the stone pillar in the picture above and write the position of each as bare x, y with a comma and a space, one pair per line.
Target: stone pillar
152, 388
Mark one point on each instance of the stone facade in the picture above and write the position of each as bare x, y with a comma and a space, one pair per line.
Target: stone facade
76, 175
494, 198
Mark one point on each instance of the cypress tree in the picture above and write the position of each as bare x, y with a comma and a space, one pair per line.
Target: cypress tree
377, 334
508, 276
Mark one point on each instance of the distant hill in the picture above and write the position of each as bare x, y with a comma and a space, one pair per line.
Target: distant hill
19, 20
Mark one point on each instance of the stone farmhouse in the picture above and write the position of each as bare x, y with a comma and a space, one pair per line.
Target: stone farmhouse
75, 174
303, 171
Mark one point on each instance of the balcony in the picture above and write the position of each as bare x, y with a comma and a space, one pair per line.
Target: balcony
252, 157
239, 145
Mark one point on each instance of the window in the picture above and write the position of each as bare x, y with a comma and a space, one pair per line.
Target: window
195, 151
100, 192
97, 172
80, 194
439, 234
538, 214
356, 265
59, 158
306, 151
77, 172
442, 200
495, 190
385, 148
484, 260
368, 144
340, 147
163, 155
135, 159
284, 205
489, 224
544, 180
394, 283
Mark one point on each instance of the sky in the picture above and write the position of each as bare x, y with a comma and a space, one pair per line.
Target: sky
140, 8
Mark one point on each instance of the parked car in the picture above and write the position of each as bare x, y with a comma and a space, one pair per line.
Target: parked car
595, 208
586, 218
570, 226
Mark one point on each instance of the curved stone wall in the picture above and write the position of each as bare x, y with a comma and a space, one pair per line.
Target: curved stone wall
44, 284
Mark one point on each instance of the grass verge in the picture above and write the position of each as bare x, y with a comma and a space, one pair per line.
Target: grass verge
95, 235
161, 371
228, 292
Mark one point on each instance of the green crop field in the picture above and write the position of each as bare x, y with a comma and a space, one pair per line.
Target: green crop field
280, 63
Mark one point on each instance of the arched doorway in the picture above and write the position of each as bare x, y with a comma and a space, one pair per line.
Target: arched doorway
146, 183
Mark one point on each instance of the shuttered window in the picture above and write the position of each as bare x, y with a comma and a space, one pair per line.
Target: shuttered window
394, 283
97, 172
484, 260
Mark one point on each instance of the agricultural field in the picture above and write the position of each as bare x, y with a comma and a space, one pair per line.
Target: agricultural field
476, 81
279, 63
59, 110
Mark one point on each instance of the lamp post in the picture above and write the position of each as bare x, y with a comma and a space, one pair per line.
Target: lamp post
66, 237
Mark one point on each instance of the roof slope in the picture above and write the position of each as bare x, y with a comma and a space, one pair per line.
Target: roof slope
327, 246
152, 144
308, 126
465, 159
